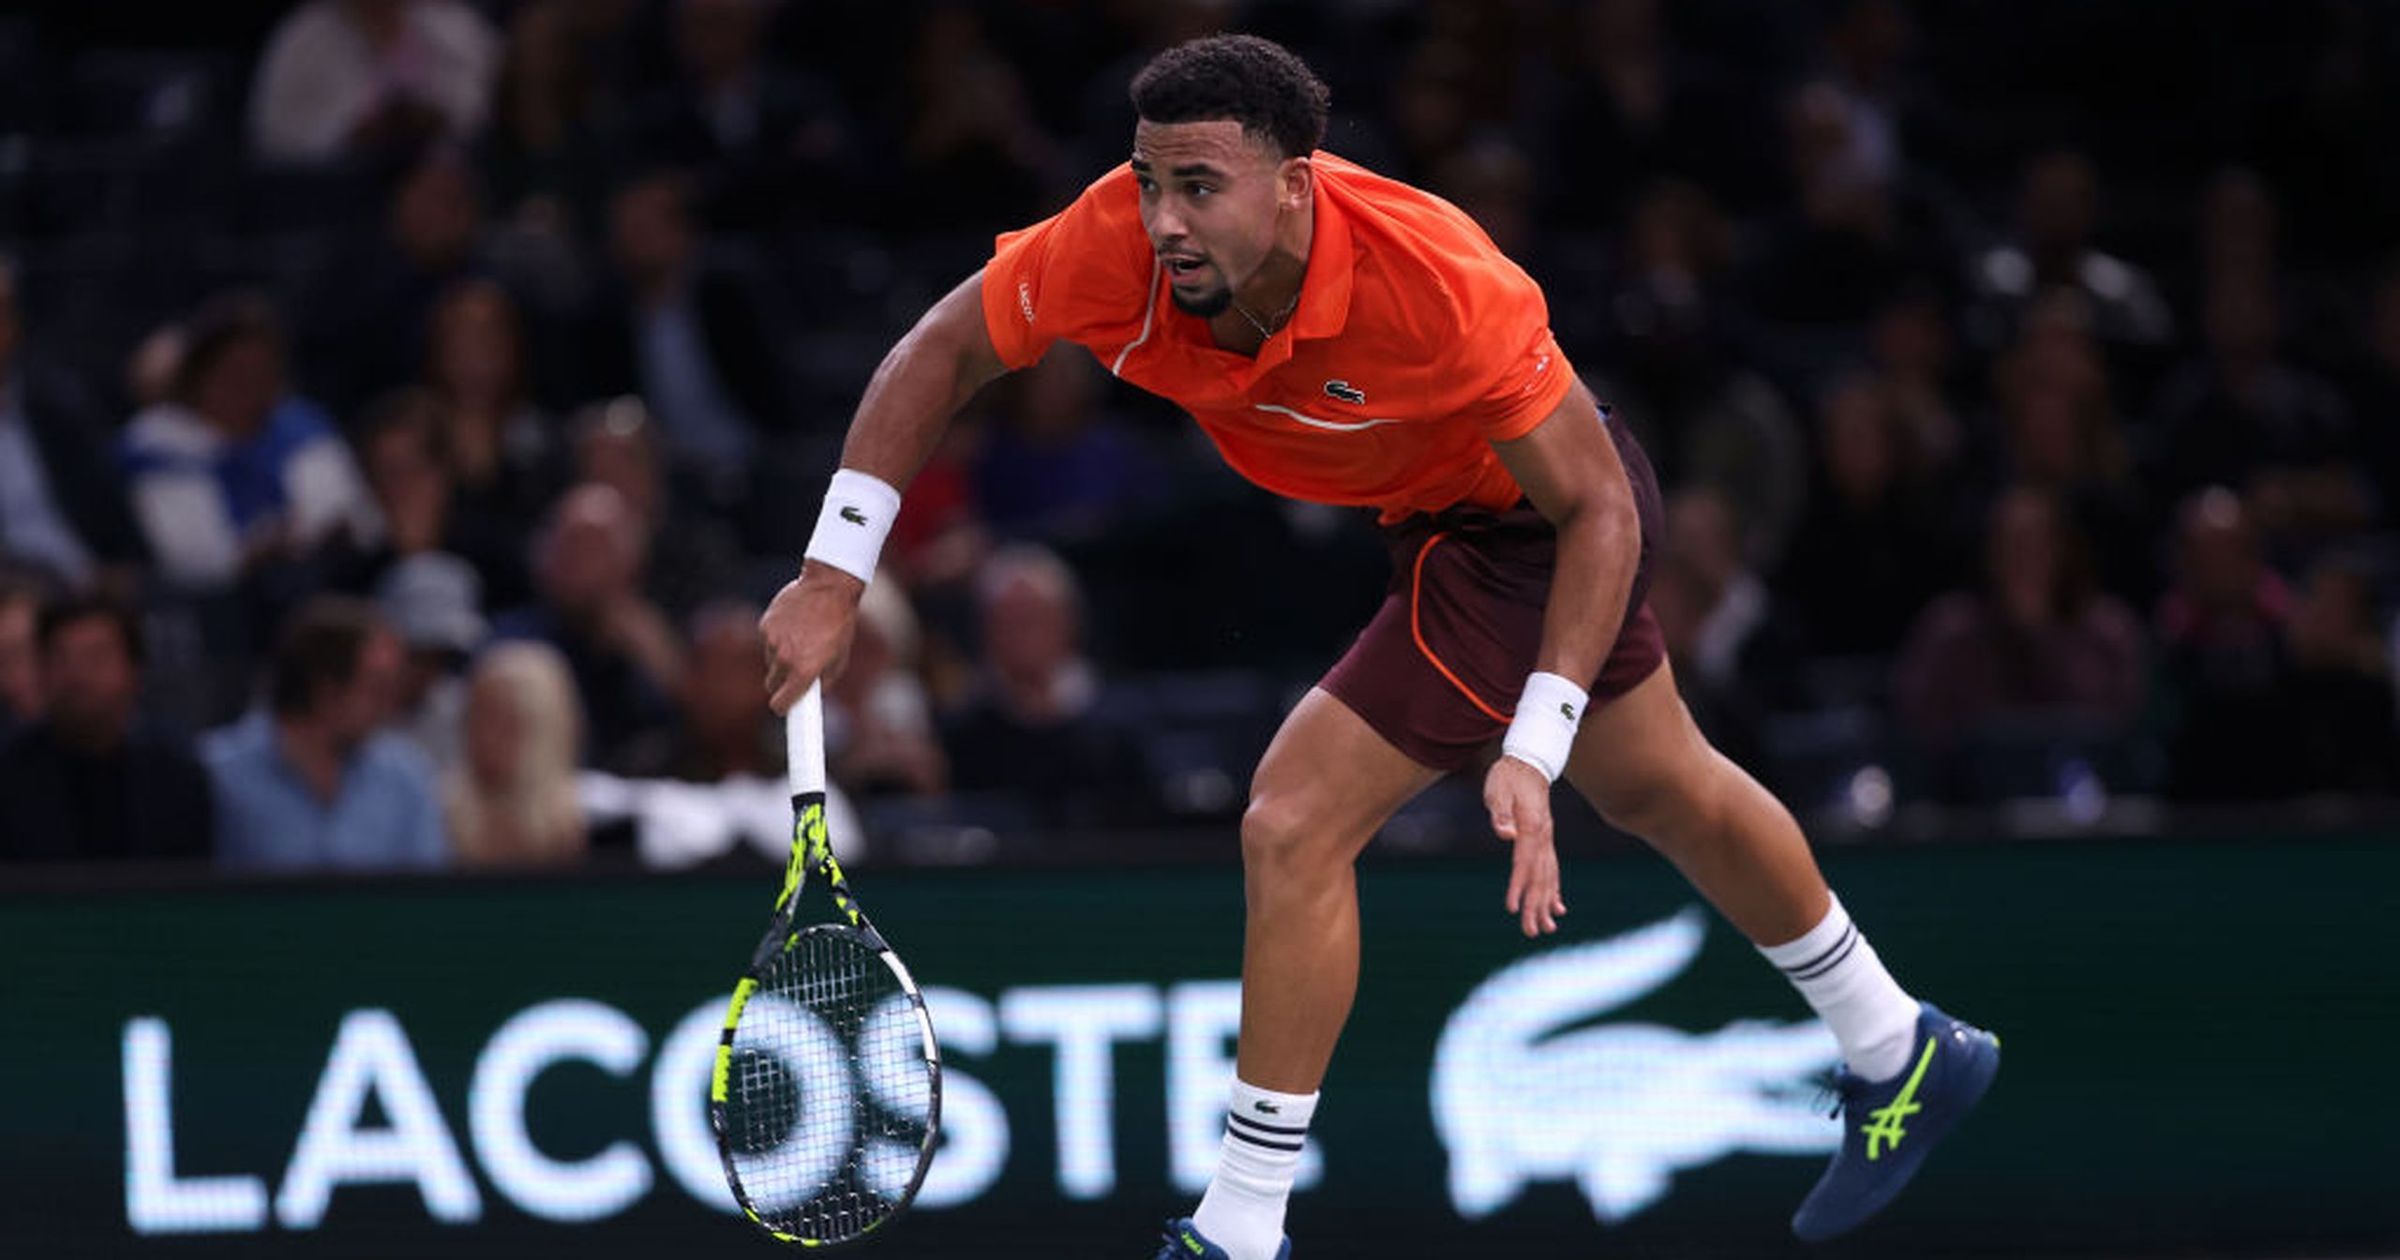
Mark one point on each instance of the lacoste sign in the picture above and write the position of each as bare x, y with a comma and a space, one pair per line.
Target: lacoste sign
1526, 1089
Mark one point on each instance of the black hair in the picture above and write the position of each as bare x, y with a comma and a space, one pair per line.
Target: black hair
1256, 82
91, 606
318, 651
222, 323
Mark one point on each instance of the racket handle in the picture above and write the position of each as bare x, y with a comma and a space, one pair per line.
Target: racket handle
804, 742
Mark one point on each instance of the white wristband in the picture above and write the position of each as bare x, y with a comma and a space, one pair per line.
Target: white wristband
851, 527
1544, 729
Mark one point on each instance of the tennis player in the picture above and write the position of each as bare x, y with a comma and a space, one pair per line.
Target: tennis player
1347, 339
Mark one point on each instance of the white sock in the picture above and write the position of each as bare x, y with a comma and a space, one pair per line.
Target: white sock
1243, 1209
1873, 1018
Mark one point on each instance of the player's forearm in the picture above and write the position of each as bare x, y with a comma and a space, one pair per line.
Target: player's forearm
921, 384
1599, 545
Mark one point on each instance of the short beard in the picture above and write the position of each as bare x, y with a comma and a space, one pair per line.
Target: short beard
1208, 306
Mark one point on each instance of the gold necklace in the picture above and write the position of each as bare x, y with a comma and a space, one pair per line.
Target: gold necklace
1277, 319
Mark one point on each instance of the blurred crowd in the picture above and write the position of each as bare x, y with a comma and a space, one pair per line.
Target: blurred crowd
404, 416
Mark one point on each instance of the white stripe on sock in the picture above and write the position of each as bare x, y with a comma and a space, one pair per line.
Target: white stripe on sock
1844, 980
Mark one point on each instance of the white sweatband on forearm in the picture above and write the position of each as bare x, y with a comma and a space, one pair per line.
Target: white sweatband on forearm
851, 528
1544, 729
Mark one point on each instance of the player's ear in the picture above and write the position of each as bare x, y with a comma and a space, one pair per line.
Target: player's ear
1296, 183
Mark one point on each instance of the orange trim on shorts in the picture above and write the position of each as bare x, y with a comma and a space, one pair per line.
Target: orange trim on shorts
1416, 581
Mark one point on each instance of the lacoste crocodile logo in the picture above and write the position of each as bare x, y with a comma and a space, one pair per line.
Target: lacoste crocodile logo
1344, 391
1528, 1088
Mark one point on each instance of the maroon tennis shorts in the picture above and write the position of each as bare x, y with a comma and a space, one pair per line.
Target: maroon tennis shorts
1438, 670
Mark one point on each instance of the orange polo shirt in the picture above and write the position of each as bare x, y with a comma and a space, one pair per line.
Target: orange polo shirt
1415, 344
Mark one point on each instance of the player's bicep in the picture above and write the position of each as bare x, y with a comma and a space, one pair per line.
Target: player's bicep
964, 327
1566, 462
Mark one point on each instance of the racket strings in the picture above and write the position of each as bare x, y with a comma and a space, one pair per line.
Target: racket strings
830, 1103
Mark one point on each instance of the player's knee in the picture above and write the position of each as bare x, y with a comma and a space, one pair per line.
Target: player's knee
1277, 830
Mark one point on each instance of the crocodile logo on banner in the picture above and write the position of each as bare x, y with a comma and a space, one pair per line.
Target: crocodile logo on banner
1527, 1089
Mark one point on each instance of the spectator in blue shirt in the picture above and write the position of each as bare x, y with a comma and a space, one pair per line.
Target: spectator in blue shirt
233, 475
315, 781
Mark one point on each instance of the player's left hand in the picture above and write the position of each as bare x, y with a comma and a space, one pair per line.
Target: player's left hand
1519, 799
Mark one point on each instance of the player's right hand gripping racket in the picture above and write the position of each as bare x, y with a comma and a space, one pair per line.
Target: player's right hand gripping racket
827, 1093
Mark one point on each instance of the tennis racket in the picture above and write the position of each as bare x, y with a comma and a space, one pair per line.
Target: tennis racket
827, 1093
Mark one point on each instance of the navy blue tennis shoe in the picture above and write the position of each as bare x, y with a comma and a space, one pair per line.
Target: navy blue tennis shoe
1888, 1127
1185, 1242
